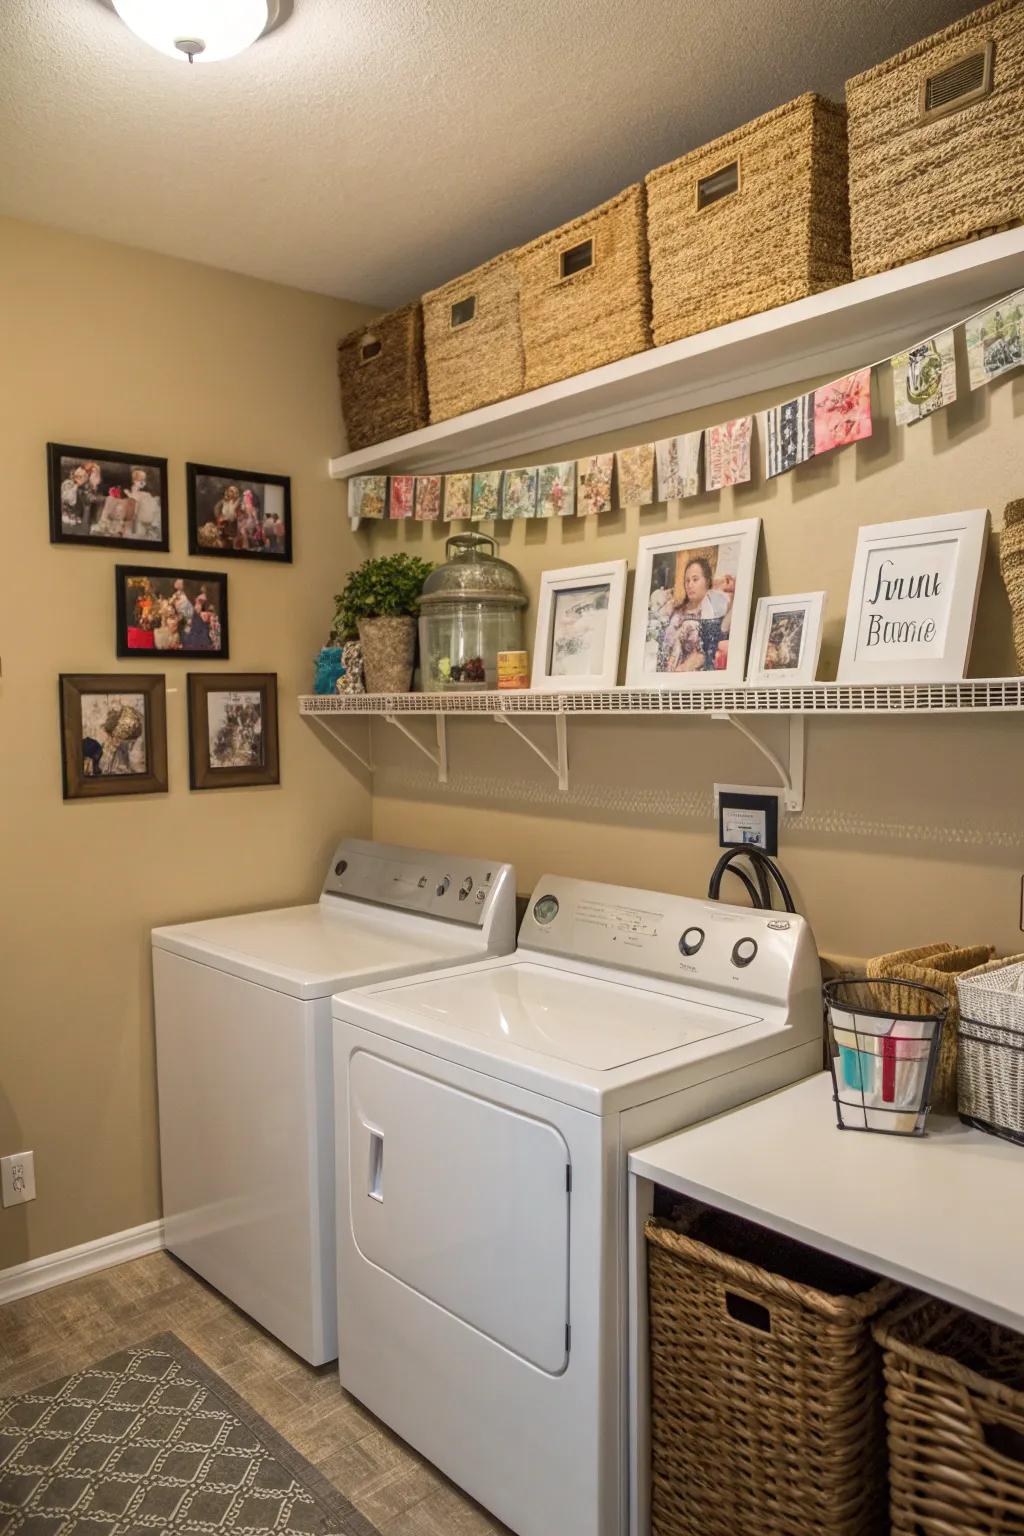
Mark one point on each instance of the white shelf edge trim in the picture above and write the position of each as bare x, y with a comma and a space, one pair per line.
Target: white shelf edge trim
842, 328
84, 1259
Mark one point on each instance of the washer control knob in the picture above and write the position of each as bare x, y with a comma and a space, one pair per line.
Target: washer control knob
743, 951
340, 867
442, 886
691, 941
466, 888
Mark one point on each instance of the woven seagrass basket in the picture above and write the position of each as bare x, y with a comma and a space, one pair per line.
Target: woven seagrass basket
473, 343
954, 1397
755, 219
383, 382
936, 148
766, 1387
1011, 566
584, 293
991, 1084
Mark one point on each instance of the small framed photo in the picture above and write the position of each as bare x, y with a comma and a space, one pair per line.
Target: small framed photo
107, 499
238, 513
691, 606
579, 627
913, 598
163, 611
786, 639
232, 729
113, 729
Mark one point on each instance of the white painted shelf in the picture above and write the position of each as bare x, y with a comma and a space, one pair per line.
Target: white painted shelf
830, 332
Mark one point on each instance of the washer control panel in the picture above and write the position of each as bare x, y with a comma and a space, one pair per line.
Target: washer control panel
416, 880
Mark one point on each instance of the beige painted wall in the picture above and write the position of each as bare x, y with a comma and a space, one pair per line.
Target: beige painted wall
913, 829
106, 345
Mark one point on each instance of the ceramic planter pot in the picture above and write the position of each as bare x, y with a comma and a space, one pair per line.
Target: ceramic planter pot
389, 650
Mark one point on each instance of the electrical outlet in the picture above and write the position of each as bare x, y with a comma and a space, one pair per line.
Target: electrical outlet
18, 1177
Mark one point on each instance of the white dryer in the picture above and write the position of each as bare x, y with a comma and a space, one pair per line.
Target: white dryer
243, 1033
484, 1118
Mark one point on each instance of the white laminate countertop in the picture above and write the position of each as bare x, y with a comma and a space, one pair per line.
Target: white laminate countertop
943, 1212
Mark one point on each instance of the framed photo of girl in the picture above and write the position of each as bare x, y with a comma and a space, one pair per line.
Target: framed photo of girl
107, 499
691, 606
239, 514
168, 612
786, 641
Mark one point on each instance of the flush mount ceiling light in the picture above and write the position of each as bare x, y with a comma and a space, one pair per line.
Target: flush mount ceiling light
199, 31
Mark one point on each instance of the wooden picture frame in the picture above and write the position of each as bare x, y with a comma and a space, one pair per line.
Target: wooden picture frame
785, 642
113, 732
90, 502
239, 514
157, 608
232, 730
579, 616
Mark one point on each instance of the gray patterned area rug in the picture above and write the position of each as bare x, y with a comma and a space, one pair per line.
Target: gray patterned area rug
152, 1440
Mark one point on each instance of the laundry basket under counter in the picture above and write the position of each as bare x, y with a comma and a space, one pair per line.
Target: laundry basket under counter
991, 1058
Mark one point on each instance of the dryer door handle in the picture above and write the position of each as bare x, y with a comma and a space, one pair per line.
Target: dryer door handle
375, 1172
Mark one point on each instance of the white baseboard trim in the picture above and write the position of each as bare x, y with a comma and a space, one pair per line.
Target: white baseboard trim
71, 1263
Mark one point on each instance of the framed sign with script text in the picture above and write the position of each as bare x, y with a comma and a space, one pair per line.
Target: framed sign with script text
913, 597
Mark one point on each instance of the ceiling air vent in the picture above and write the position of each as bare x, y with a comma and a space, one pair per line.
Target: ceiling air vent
965, 80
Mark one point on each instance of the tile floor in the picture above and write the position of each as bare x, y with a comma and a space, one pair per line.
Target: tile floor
58, 1331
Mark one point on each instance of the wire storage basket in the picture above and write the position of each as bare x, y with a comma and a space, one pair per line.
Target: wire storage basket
991, 1061
882, 1053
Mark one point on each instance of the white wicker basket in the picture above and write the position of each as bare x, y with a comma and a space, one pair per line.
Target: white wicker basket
990, 1089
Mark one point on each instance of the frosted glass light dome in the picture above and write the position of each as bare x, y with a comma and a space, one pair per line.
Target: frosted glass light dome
200, 31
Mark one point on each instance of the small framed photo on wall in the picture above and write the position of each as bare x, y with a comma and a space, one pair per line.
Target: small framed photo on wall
691, 606
171, 612
107, 499
579, 627
238, 513
232, 729
113, 729
786, 640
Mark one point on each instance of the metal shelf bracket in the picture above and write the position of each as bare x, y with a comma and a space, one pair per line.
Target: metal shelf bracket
792, 778
559, 765
364, 762
438, 758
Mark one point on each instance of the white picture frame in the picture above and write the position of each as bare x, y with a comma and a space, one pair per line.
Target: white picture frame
579, 628
663, 643
913, 599
785, 640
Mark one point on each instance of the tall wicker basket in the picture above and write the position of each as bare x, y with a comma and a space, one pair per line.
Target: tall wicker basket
472, 338
383, 383
755, 219
936, 148
766, 1388
584, 292
954, 1395
1011, 566
991, 1082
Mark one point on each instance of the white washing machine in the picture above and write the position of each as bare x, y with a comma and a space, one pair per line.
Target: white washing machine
484, 1118
243, 1031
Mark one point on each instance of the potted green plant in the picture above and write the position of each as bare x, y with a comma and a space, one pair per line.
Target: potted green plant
378, 603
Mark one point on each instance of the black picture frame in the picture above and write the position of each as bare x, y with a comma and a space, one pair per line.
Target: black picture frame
119, 477
203, 773
79, 783
162, 579
201, 511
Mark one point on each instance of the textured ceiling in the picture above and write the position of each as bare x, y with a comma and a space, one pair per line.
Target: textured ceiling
373, 148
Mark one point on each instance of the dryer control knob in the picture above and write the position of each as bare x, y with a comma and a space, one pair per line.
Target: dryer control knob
340, 867
442, 886
743, 951
691, 941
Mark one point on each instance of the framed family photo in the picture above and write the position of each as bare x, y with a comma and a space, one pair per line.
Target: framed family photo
232, 729
579, 627
113, 729
107, 499
786, 640
171, 612
691, 606
238, 513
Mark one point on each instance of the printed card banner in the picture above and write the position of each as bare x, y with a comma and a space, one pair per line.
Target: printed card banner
520, 498
995, 340
788, 433
636, 475
486, 494
368, 496
842, 411
594, 484
679, 466
727, 453
458, 498
402, 491
428, 498
924, 379
556, 490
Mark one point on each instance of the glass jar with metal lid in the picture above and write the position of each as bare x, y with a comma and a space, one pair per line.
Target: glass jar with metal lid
470, 609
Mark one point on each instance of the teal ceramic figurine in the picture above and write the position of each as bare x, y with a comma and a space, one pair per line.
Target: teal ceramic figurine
328, 669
